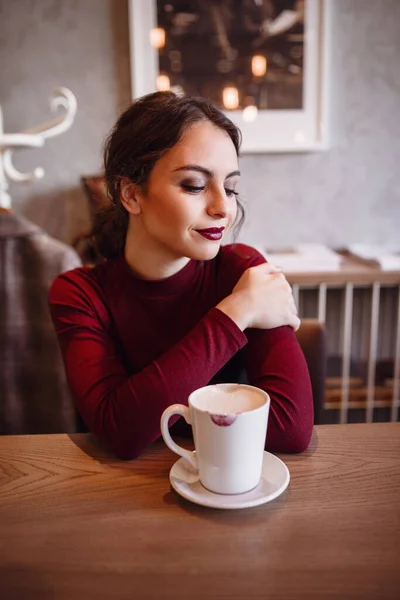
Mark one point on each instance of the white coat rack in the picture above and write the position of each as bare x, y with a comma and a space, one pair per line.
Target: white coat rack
32, 138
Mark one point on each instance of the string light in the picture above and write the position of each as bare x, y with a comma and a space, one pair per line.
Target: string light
163, 83
250, 114
230, 98
157, 37
258, 65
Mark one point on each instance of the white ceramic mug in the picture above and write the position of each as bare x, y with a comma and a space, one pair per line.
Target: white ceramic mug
229, 424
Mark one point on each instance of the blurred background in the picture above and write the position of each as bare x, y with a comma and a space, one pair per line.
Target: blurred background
347, 194
206, 47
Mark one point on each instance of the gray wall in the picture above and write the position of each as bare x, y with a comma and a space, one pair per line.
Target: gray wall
349, 193
79, 44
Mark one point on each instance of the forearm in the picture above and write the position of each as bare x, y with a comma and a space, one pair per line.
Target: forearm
124, 411
275, 363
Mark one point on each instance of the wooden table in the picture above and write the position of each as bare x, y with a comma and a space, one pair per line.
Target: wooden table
76, 523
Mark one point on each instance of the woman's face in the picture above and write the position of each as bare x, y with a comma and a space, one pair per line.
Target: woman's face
190, 199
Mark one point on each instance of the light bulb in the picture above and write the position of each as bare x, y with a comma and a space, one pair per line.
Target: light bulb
258, 65
230, 98
157, 37
250, 113
163, 83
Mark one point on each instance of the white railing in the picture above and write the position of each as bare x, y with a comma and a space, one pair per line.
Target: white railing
368, 322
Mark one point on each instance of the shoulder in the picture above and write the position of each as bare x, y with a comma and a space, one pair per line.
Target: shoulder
233, 260
240, 257
79, 290
72, 285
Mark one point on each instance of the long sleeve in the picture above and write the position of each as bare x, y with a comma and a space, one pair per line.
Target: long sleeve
275, 363
124, 411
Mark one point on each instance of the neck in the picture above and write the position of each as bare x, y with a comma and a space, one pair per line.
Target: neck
149, 260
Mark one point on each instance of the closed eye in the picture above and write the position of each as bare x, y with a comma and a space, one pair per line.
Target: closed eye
193, 189
229, 192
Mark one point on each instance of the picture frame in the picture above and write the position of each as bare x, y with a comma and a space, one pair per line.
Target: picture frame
302, 129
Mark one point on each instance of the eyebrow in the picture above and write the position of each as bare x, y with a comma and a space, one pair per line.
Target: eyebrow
207, 172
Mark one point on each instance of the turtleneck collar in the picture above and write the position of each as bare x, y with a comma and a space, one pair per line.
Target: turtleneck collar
168, 286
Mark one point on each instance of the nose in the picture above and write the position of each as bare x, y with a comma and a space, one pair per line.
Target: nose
218, 204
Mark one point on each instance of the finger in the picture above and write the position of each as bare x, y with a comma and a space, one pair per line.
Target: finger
294, 322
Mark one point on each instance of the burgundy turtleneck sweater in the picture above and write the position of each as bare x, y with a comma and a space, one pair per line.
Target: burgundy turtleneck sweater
132, 347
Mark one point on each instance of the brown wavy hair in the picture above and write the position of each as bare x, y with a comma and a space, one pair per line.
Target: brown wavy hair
151, 126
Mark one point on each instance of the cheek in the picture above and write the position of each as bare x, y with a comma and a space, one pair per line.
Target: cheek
170, 210
233, 211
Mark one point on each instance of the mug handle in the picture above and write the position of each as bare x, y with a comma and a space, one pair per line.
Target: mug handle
177, 409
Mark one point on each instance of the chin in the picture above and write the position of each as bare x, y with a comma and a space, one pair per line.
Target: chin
207, 252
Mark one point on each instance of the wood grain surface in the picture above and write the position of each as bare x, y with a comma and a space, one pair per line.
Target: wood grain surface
75, 523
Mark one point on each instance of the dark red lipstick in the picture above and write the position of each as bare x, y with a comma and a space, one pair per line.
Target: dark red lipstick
213, 233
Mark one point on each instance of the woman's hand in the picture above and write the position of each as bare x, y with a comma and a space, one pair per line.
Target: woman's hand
262, 298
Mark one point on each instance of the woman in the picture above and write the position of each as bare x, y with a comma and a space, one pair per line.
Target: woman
170, 310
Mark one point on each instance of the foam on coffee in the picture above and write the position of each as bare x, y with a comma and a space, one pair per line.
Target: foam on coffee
228, 399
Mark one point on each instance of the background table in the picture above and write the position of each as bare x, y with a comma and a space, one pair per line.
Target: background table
77, 523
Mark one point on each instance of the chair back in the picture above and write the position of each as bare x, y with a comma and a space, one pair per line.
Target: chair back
312, 339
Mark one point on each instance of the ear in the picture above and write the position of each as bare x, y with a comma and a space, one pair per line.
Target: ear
130, 196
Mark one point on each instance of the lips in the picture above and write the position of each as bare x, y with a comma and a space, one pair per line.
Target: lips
213, 233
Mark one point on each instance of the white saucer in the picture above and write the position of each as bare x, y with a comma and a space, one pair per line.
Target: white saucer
275, 478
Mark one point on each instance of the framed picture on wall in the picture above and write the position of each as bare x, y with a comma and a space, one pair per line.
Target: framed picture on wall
264, 62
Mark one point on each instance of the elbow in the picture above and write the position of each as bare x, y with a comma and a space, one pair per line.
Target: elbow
118, 443
118, 434
124, 449
288, 442
297, 437
298, 443
126, 453
290, 436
